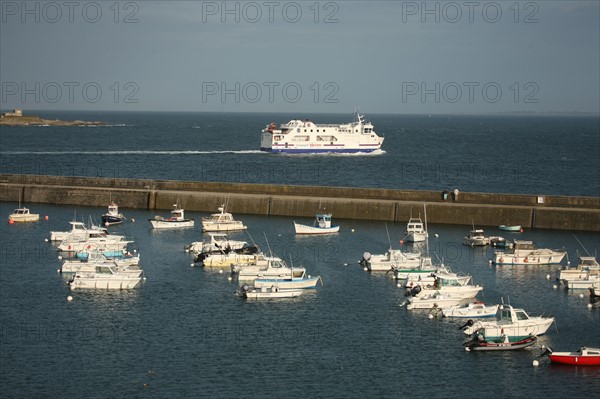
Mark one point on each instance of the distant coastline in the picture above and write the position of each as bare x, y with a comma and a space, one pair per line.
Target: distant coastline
16, 118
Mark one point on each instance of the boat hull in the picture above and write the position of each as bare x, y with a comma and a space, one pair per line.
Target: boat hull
32, 217
272, 294
103, 283
574, 359
510, 259
171, 224
476, 345
509, 228
219, 227
300, 283
304, 229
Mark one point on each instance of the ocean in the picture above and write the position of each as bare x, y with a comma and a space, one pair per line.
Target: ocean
183, 333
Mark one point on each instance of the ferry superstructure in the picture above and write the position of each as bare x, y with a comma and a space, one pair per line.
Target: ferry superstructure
305, 136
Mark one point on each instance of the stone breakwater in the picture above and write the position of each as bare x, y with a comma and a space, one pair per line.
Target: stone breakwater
37, 121
483, 209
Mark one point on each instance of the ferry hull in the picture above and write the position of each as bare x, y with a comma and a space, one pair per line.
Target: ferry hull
319, 150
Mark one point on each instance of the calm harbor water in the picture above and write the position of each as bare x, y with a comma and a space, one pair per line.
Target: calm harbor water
184, 334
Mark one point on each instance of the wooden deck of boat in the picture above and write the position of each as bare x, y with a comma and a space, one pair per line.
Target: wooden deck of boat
488, 209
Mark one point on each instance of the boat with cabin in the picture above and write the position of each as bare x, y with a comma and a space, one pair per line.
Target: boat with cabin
23, 215
587, 268
271, 292
585, 356
176, 221
304, 136
267, 267
321, 225
415, 230
476, 237
222, 221
527, 253
393, 259
105, 277
112, 216
512, 322
471, 310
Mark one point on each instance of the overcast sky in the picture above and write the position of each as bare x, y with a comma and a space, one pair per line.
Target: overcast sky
278, 56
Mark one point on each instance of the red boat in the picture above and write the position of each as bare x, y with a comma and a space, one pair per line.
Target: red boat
584, 357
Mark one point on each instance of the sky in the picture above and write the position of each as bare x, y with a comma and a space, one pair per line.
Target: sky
401, 57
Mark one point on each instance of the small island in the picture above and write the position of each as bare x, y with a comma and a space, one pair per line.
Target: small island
16, 118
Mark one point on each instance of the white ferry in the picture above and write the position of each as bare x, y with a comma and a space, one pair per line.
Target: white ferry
305, 136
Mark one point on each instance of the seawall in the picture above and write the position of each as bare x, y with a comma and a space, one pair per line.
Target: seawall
483, 209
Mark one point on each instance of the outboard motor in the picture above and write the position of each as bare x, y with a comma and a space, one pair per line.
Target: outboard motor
365, 259
469, 323
414, 291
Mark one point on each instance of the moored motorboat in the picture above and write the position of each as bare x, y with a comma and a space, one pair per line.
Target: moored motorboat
105, 277
472, 310
512, 322
23, 215
112, 216
476, 237
415, 230
479, 343
272, 292
393, 259
222, 221
177, 220
321, 225
585, 356
267, 267
527, 253
303, 282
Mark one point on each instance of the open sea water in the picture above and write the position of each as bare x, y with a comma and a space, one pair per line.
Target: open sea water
183, 333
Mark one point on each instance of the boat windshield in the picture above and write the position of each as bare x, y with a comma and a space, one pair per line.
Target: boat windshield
521, 315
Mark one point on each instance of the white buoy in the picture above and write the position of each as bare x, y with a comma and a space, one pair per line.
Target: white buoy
365, 269
191, 264
547, 277
467, 349
536, 363
59, 257
69, 298
352, 230
554, 286
568, 263
187, 250
489, 262
436, 235
581, 296
57, 270
399, 285
589, 305
132, 220
229, 278
45, 239
345, 264
220, 271
430, 316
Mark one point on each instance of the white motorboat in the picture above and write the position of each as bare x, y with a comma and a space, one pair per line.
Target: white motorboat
129, 264
585, 283
267, 267
472, 310
304, 136
272, 292
391, 260
476, 237
415, 230
105, 277
222, 221
322, 225
512, 322
433, 300
23, 215
452, 287
228, 260
176, 221
303, 282
588, 267
527, 253
93, 239
218, 243
78, 230
112, 216
430, 280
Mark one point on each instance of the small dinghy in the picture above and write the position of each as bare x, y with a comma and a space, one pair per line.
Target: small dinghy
479, 343
583, 357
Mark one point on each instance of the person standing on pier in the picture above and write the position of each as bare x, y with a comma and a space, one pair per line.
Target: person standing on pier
456, 195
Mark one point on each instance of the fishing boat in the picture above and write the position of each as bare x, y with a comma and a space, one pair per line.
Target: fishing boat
267, 267
128, 264
452, 287
303, 282
112, 216
218, 243
585, 356
321, 225
500, 242
584, 283
304, 136
513, 228
94, 239
472, 310
176, 221
527, 253
512, 322
433, 300
272, 292
222, 221
415, 230
105, 277
587, 267
393, 259
23, 215
479, 343
476, 237
78, 230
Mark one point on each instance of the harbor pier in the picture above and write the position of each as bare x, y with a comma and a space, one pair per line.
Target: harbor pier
391, 205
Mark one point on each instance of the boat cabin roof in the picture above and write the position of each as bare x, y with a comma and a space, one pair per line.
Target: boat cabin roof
588, 261
507, 314
21, 211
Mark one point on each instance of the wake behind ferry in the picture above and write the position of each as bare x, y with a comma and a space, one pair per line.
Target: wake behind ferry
305, 136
